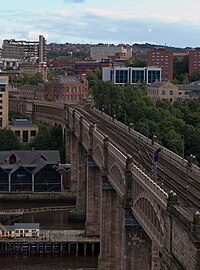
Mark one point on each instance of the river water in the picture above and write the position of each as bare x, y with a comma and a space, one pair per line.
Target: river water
48, 220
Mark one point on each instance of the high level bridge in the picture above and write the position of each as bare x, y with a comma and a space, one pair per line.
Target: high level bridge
141, 224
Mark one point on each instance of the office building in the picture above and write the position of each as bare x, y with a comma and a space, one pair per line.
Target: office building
24, 129
162, 58
69, 89
131, 75
99, 52
3, 101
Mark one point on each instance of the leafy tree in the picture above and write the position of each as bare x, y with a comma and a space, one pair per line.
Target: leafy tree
195, 75
137, 62
9, 140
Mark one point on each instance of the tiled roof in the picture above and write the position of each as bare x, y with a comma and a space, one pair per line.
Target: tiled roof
32, 156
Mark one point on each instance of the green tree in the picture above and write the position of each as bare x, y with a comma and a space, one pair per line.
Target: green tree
195, 75
9, 140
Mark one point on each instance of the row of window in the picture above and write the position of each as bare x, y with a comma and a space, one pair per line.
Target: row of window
171, 92
67, 89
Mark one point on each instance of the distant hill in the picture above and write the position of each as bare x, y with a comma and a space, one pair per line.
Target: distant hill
147, 46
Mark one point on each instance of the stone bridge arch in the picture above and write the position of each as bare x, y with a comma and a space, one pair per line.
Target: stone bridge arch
117, 178
98, 155
146, 209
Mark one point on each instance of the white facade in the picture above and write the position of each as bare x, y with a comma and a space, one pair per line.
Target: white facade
131, 75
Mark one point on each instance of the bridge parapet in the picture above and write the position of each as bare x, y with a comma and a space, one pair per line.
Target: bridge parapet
150, 186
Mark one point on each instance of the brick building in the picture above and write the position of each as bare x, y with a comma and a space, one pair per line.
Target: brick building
163, 58
3, 101
66, 89
194, 60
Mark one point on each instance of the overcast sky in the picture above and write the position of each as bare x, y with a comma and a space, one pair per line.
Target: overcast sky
172, 22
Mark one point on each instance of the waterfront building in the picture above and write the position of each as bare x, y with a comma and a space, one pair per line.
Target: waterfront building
162, 58
131, 75
30, 170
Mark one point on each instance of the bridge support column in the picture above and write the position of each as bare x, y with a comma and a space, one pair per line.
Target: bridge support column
74, 162
68, 139
93, 199
81, 181
136, 245
110, 229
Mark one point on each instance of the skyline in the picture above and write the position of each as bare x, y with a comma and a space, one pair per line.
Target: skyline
83, 21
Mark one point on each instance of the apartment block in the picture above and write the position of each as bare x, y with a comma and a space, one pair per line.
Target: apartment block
162, 58
131, 75
194, 60
3, 101
31, 51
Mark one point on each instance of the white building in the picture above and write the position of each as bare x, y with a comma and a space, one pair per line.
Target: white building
131, 75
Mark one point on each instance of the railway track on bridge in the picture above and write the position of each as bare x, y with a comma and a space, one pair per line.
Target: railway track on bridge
170, 175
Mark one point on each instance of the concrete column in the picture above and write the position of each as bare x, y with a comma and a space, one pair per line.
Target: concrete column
81, 181
136, 245
33, 182
9, 182
110, 229
93, 199
74, 163
68, 139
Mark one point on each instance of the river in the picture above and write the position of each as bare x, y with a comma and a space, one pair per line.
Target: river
48, 220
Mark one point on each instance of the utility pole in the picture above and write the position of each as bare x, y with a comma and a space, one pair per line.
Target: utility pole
155, 161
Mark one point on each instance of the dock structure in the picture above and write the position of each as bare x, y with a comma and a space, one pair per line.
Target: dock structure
54, 243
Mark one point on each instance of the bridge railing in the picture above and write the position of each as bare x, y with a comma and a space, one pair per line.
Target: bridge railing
149, 184
141, 138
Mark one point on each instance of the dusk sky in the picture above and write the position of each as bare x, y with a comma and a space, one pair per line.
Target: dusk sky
172, 22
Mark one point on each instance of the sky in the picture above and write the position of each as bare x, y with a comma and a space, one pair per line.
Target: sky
171, 22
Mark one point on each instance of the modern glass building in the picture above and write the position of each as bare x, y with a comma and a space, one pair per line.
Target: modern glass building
131, 75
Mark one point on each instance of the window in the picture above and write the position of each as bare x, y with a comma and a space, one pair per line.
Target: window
171, 92
25, 135
163, 92
2, 88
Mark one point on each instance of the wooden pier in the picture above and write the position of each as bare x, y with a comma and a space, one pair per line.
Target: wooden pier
52, 243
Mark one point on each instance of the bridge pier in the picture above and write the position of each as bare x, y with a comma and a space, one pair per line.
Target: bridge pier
81, 181
110, 229
92, 225
74, 153
136, 245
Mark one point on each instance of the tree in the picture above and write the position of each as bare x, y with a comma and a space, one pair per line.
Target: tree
195, 75
137, 62
9, 140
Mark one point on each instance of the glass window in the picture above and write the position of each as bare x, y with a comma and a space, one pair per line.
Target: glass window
121, 76
171, 92
163, 92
